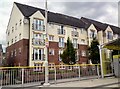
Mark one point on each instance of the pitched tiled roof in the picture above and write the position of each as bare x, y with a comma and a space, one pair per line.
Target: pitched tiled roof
101, 26
52, 17
98, 25
115, 29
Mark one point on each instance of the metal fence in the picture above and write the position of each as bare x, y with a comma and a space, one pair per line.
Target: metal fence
19, 76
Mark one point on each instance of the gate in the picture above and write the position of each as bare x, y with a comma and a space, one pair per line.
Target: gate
108, 69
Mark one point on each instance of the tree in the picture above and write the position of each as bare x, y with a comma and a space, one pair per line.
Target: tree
68, 56
94, 51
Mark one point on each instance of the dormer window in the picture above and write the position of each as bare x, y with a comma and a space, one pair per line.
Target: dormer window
109, 35
92, 34
38, 24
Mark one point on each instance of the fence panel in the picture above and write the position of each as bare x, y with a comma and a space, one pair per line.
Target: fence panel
36, 75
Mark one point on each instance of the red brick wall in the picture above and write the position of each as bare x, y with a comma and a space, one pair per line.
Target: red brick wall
82, 58
22, 57
53, 58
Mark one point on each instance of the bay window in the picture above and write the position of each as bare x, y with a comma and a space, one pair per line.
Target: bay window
61, 42
38, 24
109, 35
38, 54
75, 43
38, 39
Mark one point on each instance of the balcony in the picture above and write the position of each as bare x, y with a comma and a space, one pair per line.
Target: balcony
38, 42
75, 34
61, 31
38, 27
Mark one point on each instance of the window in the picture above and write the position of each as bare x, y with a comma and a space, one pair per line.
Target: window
75, 43
12, 29
20, 22
19, 50
77, 55
15, 52
38, 54
61, 30
82, 41
61, 42
38, 25
109, 35
20, 36
8, 33
62, 66
15, 38
83, 53
38, 39
51, 37
51, 66
16, 26
11, 53
92, 34
38, 67
51, 51
60, 52
8, 43
74, 32
12, 41
82, 30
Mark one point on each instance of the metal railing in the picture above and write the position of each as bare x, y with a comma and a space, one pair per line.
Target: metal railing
19, 76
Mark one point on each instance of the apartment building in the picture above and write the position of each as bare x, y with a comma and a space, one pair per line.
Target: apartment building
1, 54
26, 36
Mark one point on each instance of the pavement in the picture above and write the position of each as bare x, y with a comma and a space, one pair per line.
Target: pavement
109, 82
105, 82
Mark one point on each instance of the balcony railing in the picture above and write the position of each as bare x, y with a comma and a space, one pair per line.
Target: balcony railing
36, 41
38, 28
61, 31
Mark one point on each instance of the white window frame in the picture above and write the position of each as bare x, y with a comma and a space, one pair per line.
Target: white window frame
20, 36
51, 52
16, 26
38, 67
51, 37
92, 33
60, 52
61, 42
61, 30
38, 24
38, 39
83, 53
75, 44
109, 35
52, 65
61, 66
36, 54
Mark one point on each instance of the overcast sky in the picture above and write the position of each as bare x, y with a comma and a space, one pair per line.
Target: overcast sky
102, 10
